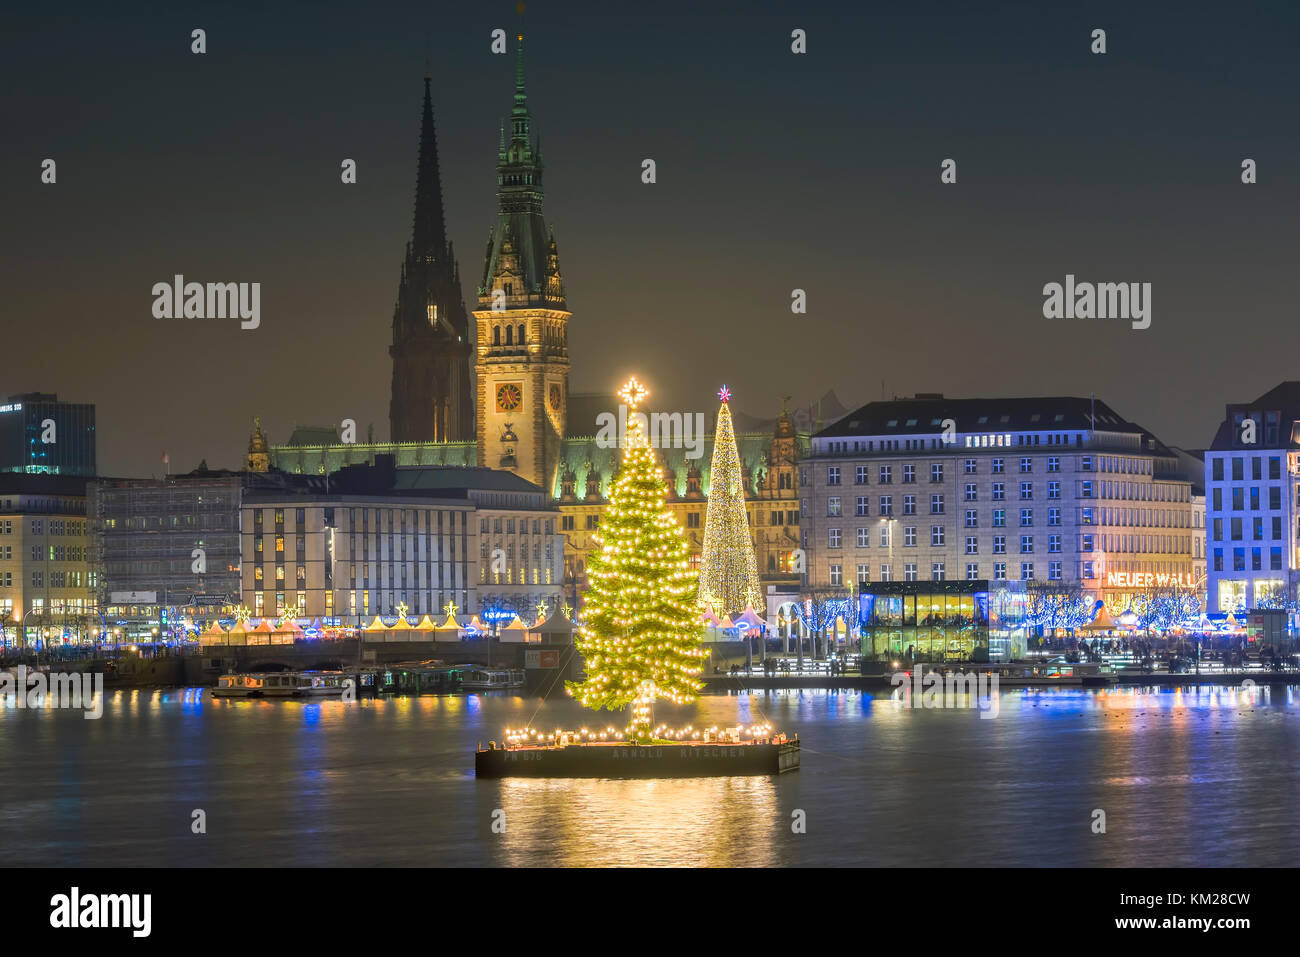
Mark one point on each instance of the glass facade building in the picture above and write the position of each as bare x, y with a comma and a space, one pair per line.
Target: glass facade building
943, 620
39, 435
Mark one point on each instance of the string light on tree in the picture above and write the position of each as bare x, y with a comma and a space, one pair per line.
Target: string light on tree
728, 568
640, 635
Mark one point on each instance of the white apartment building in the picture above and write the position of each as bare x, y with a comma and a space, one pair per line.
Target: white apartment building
1055, 488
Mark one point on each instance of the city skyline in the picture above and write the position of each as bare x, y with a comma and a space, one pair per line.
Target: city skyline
963, 263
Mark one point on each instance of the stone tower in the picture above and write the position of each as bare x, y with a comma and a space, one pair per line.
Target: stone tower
259, 457
431, 347
523, 349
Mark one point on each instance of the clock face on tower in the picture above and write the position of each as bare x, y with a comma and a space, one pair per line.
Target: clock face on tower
509, 397
556, 397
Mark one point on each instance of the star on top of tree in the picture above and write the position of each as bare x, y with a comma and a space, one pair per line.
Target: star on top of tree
633, 393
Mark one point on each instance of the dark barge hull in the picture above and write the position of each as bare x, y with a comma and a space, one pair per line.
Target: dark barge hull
638, 761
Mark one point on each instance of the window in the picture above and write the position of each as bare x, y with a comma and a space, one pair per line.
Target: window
936, 572
972, 545
1026, 465
885, 475
1216, 466
1085, 463
1053, 516
1026, 544
860, 475
909, 572
936, 472
936, 504
936, 535
972, 518
999, 518
909, 536
886, 506
1026, 491
971, 494
862, 506
1053, 490
997, 466
692, 519
864, 538
909, 474
1054, 543
1054, 571
884, 540
832, 475
1027, 571
999, 571
999, 544
969, 466
1053, 463
909, 504
833, 506
972, 571
832, 538
836, 575
864, 574
1026, 516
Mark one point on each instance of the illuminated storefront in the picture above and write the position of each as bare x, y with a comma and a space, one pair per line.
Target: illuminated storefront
944, 620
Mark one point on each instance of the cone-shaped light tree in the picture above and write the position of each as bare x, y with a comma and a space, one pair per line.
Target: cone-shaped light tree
728, 569
640, 633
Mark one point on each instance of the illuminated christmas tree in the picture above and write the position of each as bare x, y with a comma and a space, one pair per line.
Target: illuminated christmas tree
640, 633
728, 569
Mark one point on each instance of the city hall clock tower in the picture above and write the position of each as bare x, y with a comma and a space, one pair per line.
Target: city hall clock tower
522, 364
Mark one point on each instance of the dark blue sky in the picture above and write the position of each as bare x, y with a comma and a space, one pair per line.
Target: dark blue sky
775, 171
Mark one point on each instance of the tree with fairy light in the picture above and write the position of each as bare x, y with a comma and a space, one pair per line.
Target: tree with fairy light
640, 634
728, 568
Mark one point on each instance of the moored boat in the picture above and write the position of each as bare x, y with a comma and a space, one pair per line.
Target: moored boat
484, 679
285, 684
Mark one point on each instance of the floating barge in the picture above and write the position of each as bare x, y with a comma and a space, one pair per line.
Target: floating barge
622, 759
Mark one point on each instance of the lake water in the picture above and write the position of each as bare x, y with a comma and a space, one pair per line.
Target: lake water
1206, 778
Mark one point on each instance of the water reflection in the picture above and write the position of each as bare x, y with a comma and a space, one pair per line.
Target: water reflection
1186, 776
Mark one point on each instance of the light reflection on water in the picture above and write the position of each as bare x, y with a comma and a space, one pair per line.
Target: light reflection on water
1186, 776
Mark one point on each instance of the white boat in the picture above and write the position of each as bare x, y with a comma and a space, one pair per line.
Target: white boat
484, 679
283, 684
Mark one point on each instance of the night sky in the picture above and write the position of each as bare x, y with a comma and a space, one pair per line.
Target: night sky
775, 171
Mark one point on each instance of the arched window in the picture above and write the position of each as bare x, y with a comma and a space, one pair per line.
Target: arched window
510, 335
496, 335
522, 337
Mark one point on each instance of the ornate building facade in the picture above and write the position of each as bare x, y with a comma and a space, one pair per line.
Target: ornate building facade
431, 348
522, 368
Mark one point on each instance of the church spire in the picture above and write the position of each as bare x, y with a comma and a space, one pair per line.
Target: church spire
519, 118
429, 234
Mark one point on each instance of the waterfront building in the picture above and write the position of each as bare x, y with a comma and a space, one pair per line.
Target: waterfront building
41, 435
973, 620
1252, 511
377, 540
47, 582
166, 549
1054, 489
